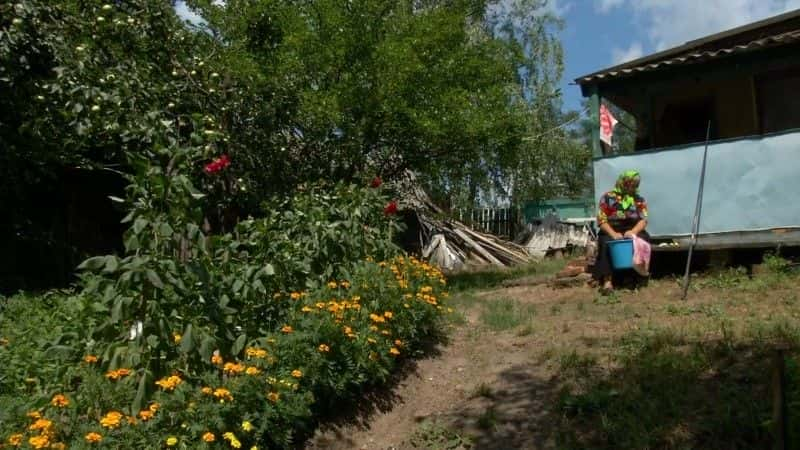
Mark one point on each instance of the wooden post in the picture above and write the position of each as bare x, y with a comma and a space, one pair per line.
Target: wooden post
779, 409
594, 116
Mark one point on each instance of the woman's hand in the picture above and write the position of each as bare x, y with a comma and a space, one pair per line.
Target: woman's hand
616, 236
630, 234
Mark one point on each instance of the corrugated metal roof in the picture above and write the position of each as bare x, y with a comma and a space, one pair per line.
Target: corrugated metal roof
707, 48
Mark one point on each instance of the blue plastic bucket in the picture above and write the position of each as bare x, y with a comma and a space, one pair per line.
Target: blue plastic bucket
621, 252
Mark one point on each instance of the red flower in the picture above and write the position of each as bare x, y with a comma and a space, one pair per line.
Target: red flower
376, 182
217, 164
391, 208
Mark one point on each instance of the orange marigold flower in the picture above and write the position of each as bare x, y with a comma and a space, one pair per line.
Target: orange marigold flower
117, 374
252, 371
146, 415
233, 368
216, 359
209, 437
398, 342
345, 284
223, 394
154, 407
324, 348
388, 314
59, 401
169, 383
15, 440
93, 437
111, 419
207, 390
295, 295
394, 351
286, 329
306, 309
34, 414
273, 397
332, 285
41, 424
41, 441
297, 373
90, 359
255, 352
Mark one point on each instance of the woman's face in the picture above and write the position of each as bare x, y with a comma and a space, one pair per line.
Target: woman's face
630, 185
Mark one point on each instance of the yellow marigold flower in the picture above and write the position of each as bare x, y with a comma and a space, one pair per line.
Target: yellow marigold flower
388, 314
252, 371
146, 415
111, 419
171, 441
324, 348
254, 447
306, 309
233, 368
216, 359
176, 338
59, 401
297, 373
15, 440
333, 285
376, 318
247, 426
286, 329
206, 390
406, 305
209, 437
169, 383
255, 352
319, 305
276, 295
34, 415
154, 407
373, 327
90, 359
223, 394
40, 441
386, 332
394, 351
41, 424
371, 341
295, 296
273, 397
345, 284
93, 437
347, 330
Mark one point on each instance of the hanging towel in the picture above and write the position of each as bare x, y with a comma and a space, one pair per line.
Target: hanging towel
641, 256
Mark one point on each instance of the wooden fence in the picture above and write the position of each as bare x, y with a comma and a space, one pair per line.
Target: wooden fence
503, 222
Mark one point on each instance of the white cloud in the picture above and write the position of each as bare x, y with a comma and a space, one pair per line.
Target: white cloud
668, 23
605, 6
619, 55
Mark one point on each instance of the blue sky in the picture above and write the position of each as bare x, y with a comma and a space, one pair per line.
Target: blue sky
601, 33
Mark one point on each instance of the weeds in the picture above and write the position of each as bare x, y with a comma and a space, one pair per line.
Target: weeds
505, 314
434, 436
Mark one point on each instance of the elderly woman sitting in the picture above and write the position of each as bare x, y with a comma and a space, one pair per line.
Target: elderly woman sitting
622, 214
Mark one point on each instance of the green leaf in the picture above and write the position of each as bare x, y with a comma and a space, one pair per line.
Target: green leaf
112, 264
141, 392
165, 230
237, 286
132, 243
116, 310
139, 224
93, 263
207, 347
238, 345
187, 340
154, 279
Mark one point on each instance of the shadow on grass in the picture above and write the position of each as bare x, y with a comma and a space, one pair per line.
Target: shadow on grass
493, 277
662, 392
358, 411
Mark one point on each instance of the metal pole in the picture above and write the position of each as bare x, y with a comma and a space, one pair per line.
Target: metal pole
697, 210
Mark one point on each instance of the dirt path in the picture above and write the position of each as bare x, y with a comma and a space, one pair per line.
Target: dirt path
500, 388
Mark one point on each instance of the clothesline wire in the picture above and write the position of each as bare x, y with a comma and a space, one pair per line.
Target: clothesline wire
573, 120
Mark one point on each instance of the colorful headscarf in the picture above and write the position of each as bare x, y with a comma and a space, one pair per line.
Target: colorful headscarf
626, 198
